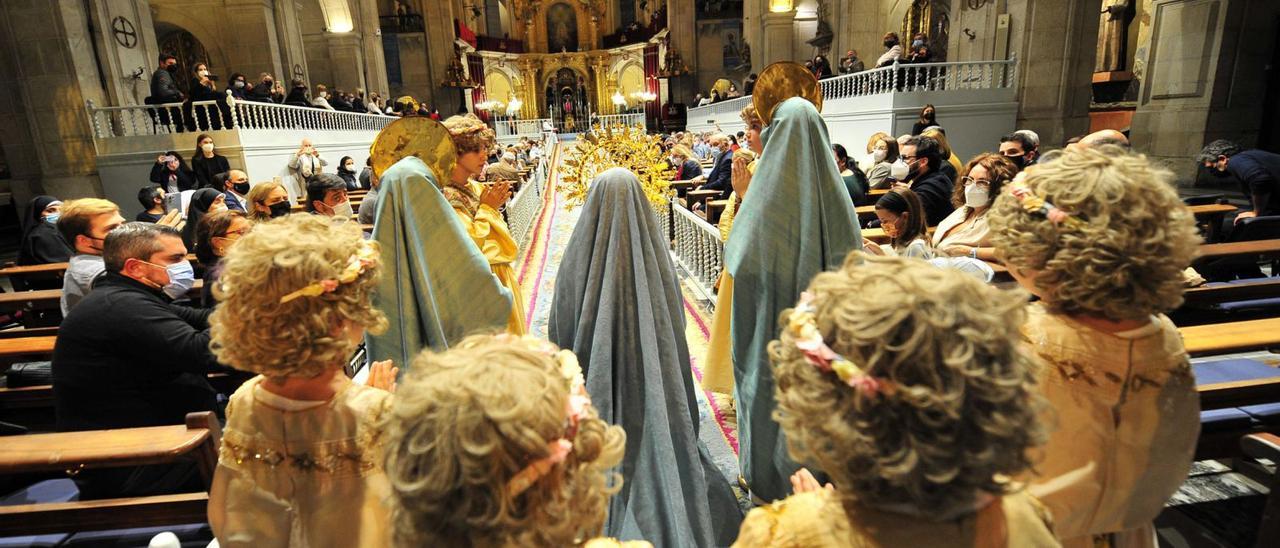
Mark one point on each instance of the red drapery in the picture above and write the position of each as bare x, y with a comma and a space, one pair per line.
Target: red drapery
653, 112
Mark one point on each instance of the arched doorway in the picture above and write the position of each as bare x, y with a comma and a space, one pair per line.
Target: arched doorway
183, 45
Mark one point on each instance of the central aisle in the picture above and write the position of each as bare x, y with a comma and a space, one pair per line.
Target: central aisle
536, 268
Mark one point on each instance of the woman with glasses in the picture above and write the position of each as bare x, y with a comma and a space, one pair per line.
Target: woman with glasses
964, 232
214, 236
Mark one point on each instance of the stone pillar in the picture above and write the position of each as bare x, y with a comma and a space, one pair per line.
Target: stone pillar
1055, 66
346, 59
375, 61
1205, 78
293, 54
127, 51
254, 47
779, 37
753, 12
684, 40
438, 17
532, 90
49, 73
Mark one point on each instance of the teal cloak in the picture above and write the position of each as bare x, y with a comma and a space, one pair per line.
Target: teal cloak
436, 286
796, 221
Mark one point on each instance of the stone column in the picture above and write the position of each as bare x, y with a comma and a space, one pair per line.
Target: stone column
293, 54
49, 71
254, 47
438, 17
375, 62
532, 91
1055, 66
1205, 78
683, 32
346, 60
779, 37
127, 49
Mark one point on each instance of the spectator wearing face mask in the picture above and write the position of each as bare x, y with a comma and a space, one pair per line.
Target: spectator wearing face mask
327, 195
341, 102
306, 162
297, 94
207, 162
172, 174
268, 201
1017, 148
920, 52
164, 90
321, 99
214, 237
719, 178
923, 159
892, 50
84, 225
235, 189
203, 202
347, 171
884, 153
263, 91
41, 243
128, 357
366, 173
964, 233
152, 200
238, 85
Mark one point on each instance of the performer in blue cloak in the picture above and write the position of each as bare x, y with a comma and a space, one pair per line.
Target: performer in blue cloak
796, 222
618, 306
438, 286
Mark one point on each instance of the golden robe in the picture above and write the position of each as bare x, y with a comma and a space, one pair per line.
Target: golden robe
298, 473
818, 520
1124, 422
489, 231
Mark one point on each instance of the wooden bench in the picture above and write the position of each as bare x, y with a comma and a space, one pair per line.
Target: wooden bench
682, 187
1210, 216
699, 197
1262, 249
1243, 290
45, 299
715, 208
1222, 338
70, 452
54, 269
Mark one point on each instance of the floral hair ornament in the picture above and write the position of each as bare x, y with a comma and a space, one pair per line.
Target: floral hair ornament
803, 325
575, 410
1037, 205
365, 257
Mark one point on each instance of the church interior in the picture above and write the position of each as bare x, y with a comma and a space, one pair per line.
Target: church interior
326, 272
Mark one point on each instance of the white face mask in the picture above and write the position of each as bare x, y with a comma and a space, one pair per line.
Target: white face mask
207, 147
976, 196
879, 154
899, 170
343, 210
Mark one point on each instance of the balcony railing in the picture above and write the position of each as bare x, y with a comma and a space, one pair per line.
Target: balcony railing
963, 75
139, 120
629, 119
520, 128
697, 246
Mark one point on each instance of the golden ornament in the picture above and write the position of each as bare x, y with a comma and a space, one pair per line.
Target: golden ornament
611, 146
781, 81
415, 136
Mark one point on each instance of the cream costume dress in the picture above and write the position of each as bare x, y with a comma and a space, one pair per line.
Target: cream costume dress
1124, 423
302, 473
818, 519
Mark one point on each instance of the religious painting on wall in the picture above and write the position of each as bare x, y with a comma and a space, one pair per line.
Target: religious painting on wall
736, 54
562, 28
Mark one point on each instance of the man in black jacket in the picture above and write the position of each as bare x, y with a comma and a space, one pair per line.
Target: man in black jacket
923, 156
126, 356
721, 174
165, 90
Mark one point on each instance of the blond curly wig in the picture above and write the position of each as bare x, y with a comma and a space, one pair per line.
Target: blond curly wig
964, 414
465, 422
470, 134
751, 118
1126, 262
253, 331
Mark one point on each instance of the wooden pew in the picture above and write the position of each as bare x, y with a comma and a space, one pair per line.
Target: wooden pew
698, 197
714, 209
1263, 249
52, 269
1210, 216
1208, 295
1223, 338
682, 187
69, 452
46, 299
